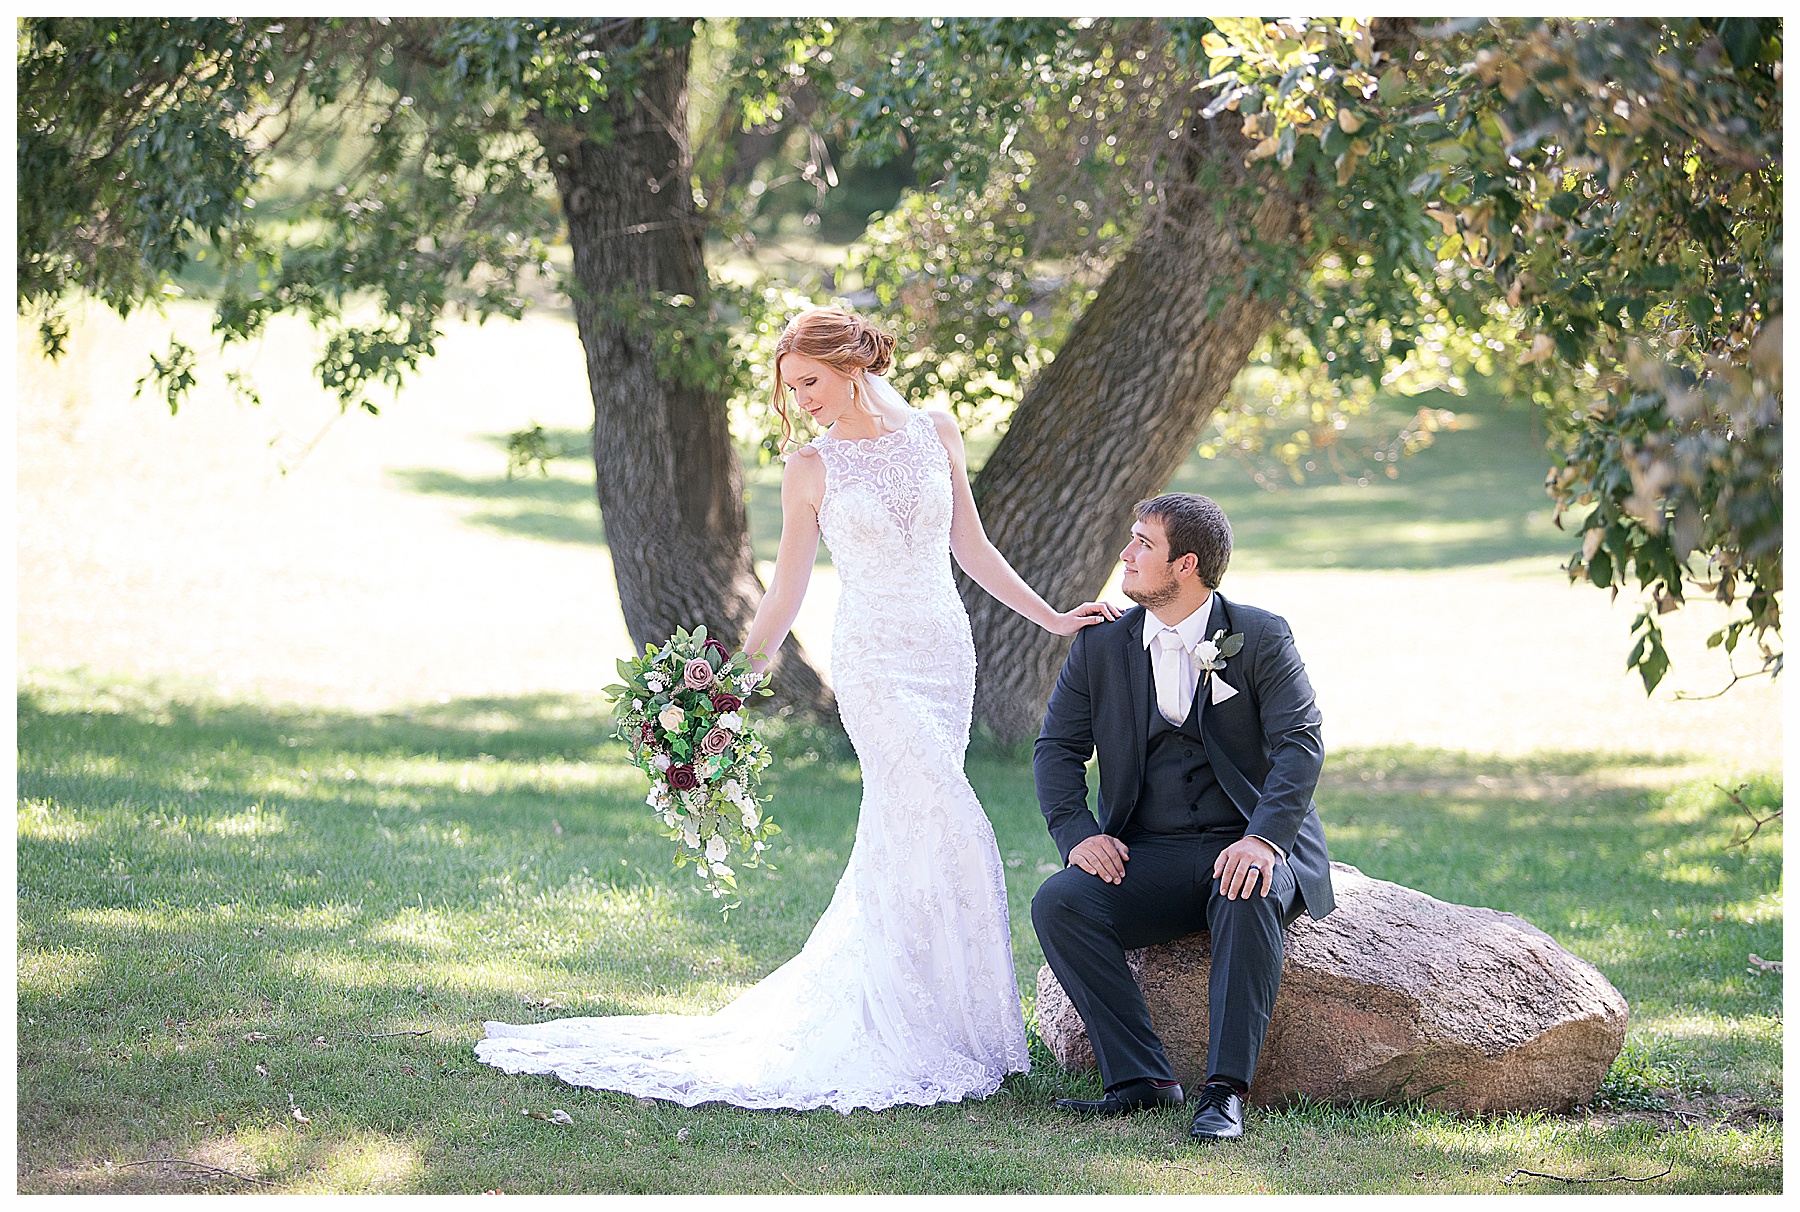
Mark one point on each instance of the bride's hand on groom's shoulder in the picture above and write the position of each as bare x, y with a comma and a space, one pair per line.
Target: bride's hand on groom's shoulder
1084, 615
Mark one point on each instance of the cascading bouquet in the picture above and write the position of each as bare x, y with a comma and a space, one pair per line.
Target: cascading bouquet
681, 713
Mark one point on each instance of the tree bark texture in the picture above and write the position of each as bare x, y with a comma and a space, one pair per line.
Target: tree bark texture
670, 486
1112, 419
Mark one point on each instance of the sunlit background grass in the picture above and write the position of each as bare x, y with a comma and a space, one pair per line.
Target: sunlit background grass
309, 750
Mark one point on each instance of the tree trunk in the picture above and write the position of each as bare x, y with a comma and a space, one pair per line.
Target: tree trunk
670, 486
1112, 419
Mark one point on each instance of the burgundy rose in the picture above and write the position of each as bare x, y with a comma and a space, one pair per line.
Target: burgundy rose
683, 778
724, 653
723, 702
697, 674
716, 741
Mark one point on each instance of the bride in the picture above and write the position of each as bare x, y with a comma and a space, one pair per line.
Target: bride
905, 991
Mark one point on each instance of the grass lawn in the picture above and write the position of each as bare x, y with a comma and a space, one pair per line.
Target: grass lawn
225, 908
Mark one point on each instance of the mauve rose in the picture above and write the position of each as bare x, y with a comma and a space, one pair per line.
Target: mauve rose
697, 674
683, 778
716, 741
723, 702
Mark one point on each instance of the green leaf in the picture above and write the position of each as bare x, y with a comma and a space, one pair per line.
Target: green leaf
1600, 569
1392, 81
1654, 665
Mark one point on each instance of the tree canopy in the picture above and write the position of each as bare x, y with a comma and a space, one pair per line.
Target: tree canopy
1587, 209
1615, 185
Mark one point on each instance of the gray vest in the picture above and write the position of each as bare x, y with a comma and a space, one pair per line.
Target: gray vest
1180, 794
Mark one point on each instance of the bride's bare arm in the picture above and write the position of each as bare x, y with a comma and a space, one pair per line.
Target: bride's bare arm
978, 556
802, 488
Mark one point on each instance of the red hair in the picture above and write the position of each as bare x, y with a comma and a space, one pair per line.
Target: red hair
847, 343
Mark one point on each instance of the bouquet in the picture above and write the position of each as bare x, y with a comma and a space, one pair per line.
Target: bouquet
681, 713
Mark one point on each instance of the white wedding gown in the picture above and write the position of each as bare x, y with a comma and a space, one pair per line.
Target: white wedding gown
905, 991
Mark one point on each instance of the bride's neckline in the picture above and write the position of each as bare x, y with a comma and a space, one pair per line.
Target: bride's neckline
878, 438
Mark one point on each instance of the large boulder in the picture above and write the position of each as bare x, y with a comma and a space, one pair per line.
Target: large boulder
1394, 995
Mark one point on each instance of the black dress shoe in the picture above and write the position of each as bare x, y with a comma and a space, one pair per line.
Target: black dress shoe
1125, 1098
1221, 1113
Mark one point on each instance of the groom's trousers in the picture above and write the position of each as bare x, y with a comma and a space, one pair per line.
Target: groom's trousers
1086, 925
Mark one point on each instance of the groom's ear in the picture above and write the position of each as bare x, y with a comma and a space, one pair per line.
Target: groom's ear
1187, 565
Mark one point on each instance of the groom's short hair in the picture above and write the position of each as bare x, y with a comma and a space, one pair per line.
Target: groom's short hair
1196, 526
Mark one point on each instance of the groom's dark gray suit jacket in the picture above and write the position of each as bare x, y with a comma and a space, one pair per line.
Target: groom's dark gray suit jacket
1263, 743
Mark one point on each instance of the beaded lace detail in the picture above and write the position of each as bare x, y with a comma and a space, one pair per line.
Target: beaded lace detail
905, 992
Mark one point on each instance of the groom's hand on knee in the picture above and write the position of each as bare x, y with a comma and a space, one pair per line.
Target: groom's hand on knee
1241, 865
1101, 855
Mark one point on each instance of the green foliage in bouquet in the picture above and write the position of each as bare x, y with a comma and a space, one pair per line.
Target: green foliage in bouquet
682, 713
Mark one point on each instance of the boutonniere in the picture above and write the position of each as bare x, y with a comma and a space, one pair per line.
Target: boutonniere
1210, 656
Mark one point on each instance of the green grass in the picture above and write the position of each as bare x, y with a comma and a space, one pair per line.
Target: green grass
195, 874
1474, 496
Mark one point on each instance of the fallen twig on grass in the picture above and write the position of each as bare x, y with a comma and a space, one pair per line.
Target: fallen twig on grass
1616, 1178
387, 1034
182, 1161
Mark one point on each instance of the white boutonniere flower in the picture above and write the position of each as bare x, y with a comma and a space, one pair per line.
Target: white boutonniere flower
1210, 656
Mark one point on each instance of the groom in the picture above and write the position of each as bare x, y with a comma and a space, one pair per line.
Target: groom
1209, 751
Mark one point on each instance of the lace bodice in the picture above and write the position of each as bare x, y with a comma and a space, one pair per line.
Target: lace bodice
887, 507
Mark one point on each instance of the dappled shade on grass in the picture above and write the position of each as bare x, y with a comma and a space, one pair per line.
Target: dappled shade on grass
551, 508
1475, 496
196, 874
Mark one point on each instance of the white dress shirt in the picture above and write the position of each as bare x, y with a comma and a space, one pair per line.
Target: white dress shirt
1172, 659
1177, 675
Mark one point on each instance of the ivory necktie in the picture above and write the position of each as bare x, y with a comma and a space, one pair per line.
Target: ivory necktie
1174, 688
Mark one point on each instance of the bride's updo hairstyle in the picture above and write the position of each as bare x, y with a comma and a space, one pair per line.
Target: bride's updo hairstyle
847, 343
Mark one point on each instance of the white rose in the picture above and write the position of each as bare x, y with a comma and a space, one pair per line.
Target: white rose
758, 846
1207, 651
721, 869
716, 849
655, 682
661, 761
670, 819
751, 818
731, 721
732, 790
672, 718
690, 835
